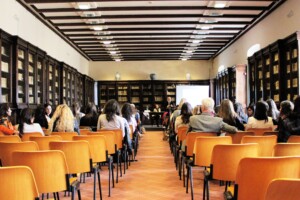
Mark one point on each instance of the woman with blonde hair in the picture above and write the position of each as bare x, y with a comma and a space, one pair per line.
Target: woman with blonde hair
226, 111
62, 120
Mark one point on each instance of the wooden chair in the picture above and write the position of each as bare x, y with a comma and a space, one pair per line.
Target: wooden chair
17, 183
202, 151
237, 137
111, 145
271, 133
26, 136
43, 141
255, 174
98, 154
266, 143
49, 168
66, 136
283, 188
225, 161
287, 149
181, 135
10, 138
189, 148
259, 131
7, 148
294, 139
78, 157
84, 131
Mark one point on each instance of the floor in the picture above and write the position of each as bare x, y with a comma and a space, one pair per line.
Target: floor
152, 177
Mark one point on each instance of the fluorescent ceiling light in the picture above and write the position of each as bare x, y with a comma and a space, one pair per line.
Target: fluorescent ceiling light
205, 27
117, 60
84, 6
183, 59
196, 41
106, 42
189, 51
97, 28
113, 52
220, 5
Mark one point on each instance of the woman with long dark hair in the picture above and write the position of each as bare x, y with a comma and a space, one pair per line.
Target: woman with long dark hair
26, 122
184, 118
110, 118
260, 118
91, 117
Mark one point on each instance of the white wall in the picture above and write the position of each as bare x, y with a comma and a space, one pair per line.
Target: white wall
140, 70
16, 20
281, 23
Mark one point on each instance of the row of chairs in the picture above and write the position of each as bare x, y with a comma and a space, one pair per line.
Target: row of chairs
94, 142
266, 147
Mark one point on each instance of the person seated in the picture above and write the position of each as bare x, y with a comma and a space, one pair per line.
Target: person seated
43, 115
229, 116
5, 122
260, 118
184, 118
207, 122
62, 120
156, 117
91, 117
26, 123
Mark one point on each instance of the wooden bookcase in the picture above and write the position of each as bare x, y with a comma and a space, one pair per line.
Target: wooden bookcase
274, 71
144, 94
6, 54
53, 90
231, 84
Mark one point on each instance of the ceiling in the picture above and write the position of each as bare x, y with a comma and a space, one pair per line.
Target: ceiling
131, 30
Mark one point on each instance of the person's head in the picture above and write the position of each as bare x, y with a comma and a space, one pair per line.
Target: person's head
197, 110
186, 112
286, 108
133, 108
208, 105
91, 109
111, 109
182, 101
75, 108
5, 110
47, 109
250, 110
226, 110
261, 111
238, 108
272, 108
27, 116
126, 111
169, 99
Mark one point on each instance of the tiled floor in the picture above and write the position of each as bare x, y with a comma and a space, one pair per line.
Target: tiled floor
152, 177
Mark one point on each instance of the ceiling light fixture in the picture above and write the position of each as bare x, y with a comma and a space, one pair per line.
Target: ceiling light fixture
113, 52
189, 51
196, 41
117, 60
97, 28
106, 42
184, 59
205, 27
84, 6
219, 5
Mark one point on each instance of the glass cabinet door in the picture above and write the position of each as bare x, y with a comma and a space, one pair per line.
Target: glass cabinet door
21, 76
31, 78
6, 70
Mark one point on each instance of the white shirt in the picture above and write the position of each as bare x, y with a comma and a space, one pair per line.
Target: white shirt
35, 127
116, 123
254, 123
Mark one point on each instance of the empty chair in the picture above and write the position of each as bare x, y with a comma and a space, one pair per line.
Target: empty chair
78, 157
225, 159
18, 183
203, 148
66, 136
10, 138
7, 148
294, 139
98, 154
43, 142
287, 149
237, 137
189, 149
26, 136
259, 131
255, 174
266, 143
287, 189
49, 168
